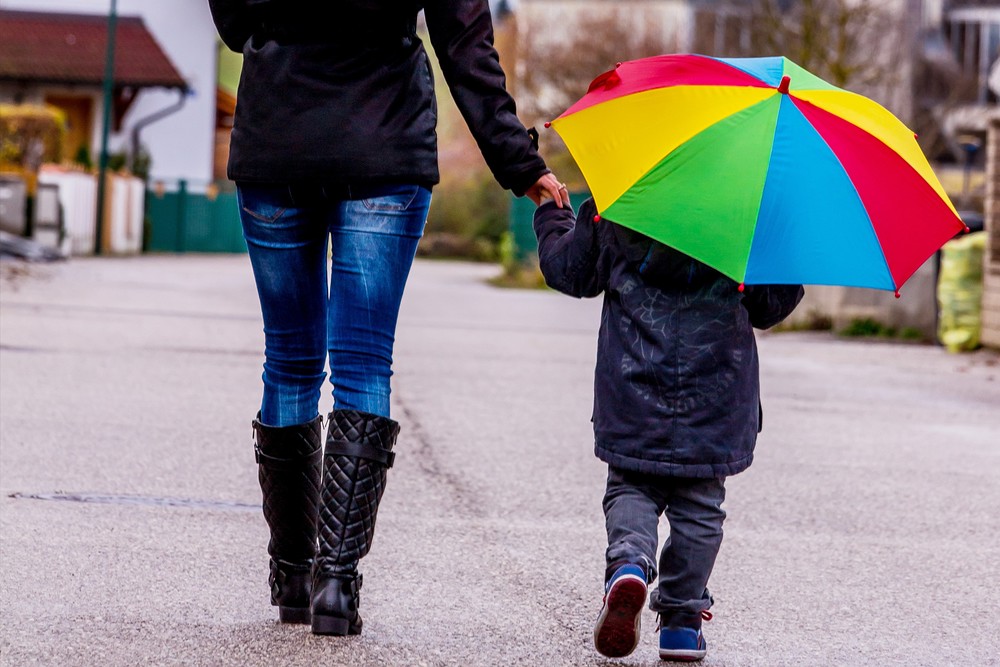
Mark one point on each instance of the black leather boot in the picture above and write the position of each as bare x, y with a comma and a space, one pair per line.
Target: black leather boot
358, 454
289, 469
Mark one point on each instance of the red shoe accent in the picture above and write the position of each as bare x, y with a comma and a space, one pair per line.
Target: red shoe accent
617, 632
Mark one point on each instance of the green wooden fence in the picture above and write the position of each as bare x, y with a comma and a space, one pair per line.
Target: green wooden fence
522, 213
182, 221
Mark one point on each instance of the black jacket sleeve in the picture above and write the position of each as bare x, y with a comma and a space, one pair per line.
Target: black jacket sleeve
233, 21
461, 32
770, 304
569, 253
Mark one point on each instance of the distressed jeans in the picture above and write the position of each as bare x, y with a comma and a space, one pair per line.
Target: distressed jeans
633, 504
368, 238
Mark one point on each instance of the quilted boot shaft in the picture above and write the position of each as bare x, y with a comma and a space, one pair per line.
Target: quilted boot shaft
358, 455
289, 470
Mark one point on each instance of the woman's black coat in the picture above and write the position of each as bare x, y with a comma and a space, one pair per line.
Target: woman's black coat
342, 93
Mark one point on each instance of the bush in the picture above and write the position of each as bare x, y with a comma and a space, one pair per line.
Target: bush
813, 321
516, 273
468, 217
867, 327
82, 158
445, 245
31, 134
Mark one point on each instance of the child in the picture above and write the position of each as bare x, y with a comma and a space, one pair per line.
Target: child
676, 411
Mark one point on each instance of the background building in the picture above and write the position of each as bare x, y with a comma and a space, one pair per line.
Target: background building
181, 144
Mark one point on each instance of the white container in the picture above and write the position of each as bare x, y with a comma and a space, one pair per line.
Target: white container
125, 212
78, 197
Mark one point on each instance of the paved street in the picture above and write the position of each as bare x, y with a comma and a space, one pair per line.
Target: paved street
866, 532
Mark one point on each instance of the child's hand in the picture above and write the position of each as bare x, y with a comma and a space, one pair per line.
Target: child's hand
549, 187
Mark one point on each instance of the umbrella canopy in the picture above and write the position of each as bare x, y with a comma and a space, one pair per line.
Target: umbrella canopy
759, 169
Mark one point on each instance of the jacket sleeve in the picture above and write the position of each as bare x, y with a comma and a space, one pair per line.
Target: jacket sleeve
569, 252
770, 304
233, 21
461, 32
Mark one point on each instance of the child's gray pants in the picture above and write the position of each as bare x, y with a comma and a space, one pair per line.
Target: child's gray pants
633, 504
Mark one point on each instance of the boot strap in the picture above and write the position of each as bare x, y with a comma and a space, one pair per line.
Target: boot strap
275, 463
360, 451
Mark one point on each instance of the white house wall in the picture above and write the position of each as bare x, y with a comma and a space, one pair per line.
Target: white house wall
181, 144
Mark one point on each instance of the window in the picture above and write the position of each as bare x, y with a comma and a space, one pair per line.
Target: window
974, 36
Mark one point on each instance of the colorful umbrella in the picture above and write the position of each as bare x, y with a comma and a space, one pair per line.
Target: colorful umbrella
760, 169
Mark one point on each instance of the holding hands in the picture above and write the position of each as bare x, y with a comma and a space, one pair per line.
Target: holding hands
549, 187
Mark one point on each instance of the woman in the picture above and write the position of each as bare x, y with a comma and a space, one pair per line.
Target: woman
334, 138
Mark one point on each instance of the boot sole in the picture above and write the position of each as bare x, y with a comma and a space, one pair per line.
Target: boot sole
617, 631
333, 625
294, 615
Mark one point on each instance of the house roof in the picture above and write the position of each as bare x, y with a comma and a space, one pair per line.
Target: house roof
47, 47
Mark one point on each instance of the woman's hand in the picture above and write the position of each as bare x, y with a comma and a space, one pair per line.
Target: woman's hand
549, 187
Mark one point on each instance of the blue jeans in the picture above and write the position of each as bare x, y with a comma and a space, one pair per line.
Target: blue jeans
350, 316
633, 504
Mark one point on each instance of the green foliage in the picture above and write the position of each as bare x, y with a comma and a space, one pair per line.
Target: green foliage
813, 321
82, 158
490, 208
141, 164
116, 161
516, 273
866, 327
31, 134
467, 219
471, 207
507, 251
445, 245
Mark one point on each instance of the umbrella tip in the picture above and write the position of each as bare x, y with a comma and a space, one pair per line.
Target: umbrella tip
548, 124
597, 218
617, 65
783, 86
741, 287
967, 230
897, 294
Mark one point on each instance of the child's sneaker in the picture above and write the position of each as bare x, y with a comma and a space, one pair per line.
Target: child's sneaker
617, 631
683, 644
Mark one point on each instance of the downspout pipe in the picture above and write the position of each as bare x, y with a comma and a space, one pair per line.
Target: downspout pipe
152, 118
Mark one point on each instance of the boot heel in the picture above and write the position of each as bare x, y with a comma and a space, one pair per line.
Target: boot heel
294, 615
331, 625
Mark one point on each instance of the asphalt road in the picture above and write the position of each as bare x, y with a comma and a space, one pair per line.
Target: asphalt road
866, 532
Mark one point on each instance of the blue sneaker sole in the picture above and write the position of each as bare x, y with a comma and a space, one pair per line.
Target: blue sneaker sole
617, 631
682, 655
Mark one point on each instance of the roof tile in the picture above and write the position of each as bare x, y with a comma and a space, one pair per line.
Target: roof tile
49, 47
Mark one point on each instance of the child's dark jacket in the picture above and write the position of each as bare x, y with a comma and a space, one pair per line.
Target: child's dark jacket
677, 388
